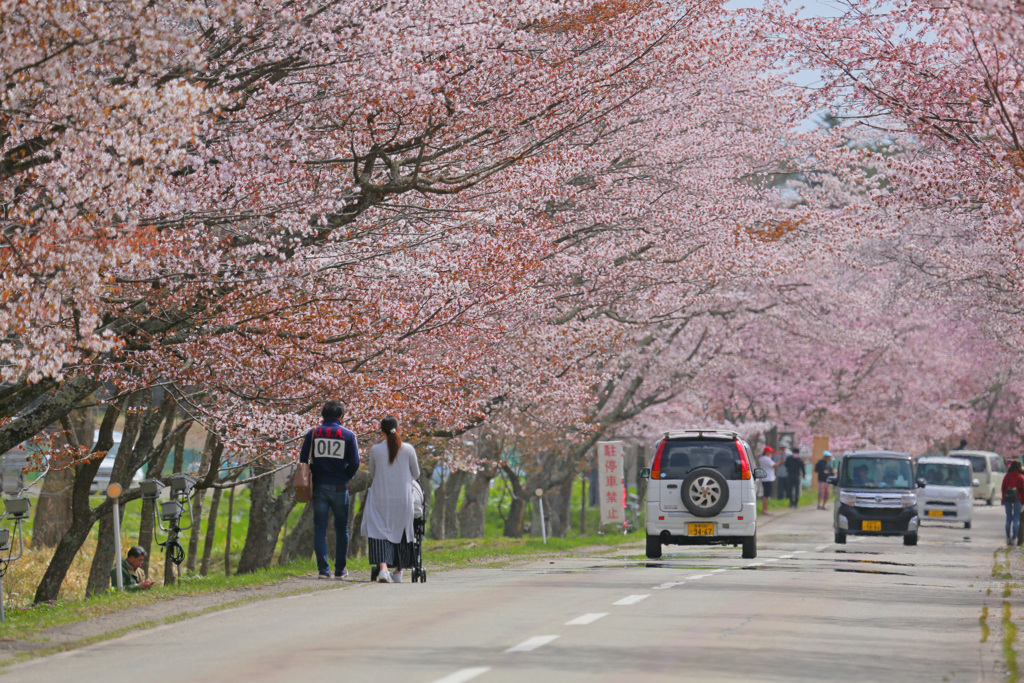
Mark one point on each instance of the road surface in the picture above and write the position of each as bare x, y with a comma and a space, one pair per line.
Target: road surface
805, 609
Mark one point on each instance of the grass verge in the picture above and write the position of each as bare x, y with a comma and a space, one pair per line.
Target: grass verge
1009, 638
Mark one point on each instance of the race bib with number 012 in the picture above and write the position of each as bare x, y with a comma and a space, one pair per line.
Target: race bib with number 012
328, 448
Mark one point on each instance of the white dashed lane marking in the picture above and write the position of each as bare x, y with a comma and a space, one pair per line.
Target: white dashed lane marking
632, 599
532, 643
772, 559
718, 571
586, 619
464, 675
785, 557
819, 548
756, 564
697, 576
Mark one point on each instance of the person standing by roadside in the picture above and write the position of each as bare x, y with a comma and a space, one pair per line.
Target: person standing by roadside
1013, 496
387, 521
768, 464
333, 456
823, 468
795, 470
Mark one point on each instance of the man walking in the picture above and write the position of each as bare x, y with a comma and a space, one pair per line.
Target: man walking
333, 456
795, 470
823, 468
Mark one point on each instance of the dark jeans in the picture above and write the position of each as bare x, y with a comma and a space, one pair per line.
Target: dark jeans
794, 492
328, 499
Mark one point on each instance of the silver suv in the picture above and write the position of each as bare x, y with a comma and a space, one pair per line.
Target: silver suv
702, 491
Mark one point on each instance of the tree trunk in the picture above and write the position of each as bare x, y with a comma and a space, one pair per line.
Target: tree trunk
516, 515
53, 509
299, 541
472, 514
227, 541
556, 509
211, 530
444, 520
104, 559
266, 517
82, 519
196, 531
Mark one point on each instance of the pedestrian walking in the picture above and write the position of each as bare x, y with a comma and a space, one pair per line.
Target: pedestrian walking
1013, 496
795, 470
768, 464
333, 456
823, 468
388, 518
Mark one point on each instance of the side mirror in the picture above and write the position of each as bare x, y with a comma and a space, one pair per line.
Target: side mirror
921, 482
975, 482
645, 473
759, 473
831, 481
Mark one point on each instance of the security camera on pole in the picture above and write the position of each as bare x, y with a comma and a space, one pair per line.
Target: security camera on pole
15, 509
171, 511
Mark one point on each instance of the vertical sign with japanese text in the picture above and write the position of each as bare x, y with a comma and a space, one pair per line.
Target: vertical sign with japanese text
611, 484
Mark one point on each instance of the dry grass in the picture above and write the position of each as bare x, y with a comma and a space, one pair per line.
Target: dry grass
24, 575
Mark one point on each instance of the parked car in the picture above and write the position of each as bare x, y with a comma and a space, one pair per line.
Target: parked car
989, 469
876, 496
701, 491
947, 490
102, 478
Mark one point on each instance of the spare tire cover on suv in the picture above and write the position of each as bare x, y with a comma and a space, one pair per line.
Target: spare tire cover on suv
705, 492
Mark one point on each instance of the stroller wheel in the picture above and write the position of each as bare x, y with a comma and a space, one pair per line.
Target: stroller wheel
423, 576
415, 575
374, 573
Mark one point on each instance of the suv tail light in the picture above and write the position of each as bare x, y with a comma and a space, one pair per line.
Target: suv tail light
656, 465
744, 462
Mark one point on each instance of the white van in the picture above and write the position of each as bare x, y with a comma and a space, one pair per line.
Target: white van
989, 469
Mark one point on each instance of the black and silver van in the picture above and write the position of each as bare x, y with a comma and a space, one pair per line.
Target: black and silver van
876, 495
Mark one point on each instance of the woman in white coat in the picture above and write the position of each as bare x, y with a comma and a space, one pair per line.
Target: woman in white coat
387, 522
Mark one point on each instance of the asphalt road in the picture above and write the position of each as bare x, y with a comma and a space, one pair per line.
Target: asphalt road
805, 609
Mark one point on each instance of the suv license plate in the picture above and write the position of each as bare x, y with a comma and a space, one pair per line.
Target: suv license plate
871, 525
935, 513
702, 529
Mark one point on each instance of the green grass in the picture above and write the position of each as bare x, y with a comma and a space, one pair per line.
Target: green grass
30, 620
1009, 638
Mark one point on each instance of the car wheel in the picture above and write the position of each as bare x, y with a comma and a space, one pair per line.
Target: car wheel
653, 547
910, 539
841, 537
967, 525
750, 547
705, 492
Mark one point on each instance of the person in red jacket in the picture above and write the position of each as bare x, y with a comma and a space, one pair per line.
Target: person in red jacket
1013, 496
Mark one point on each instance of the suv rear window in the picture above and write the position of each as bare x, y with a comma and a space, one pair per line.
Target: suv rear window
876, 473
679, 457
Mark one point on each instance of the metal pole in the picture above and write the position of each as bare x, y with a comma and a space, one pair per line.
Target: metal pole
543, 526
117, 544
3, 616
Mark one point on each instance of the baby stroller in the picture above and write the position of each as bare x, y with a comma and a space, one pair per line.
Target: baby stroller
419, 528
